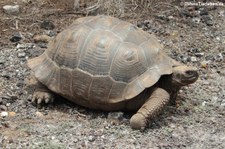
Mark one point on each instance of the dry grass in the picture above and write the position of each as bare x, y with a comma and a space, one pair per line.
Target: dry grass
118, 8
64, 12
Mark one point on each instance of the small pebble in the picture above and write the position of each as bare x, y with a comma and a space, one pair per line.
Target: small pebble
4, 114
16, 37
42, 45
222, 13
193, 59
218, 38
26, 1
21, 55
3, 108
223, 103
200, 54
207, 19
42, 38
21, 46
51, 33
204, 103
5, 75
115, 115
2, 60
204, 12
39, 114
10, 9
219, 57
196, 20
11, 114
48, 25
185, 13
204, 64
91, 138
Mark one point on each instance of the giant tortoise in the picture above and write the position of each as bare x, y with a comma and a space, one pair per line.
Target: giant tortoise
104, 63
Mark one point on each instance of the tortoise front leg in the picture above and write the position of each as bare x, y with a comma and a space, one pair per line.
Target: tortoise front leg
158, 99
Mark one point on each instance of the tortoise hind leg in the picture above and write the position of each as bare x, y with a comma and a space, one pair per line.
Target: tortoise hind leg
41, 94
158, 99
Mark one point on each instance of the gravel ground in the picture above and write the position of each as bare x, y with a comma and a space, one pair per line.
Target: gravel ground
192, 35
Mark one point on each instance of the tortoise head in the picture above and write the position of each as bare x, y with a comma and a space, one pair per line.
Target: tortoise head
183, 75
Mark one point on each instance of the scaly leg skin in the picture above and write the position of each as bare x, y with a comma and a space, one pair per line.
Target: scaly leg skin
150, 109
41, 93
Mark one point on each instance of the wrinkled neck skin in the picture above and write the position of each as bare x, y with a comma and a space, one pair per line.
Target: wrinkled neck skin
165, 82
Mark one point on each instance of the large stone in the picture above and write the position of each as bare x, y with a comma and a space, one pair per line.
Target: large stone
10, 9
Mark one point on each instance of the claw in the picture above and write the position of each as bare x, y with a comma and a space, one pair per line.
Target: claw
33, 100
47, 100
39, 101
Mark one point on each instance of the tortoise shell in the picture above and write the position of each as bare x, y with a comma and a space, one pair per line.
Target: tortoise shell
101, 59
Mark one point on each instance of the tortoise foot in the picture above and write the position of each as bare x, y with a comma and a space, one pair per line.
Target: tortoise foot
138, 121
40, 97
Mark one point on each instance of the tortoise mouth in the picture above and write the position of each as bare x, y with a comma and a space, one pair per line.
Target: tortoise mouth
188, 77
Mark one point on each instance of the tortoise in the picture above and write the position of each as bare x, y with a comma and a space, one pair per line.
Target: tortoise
101, 62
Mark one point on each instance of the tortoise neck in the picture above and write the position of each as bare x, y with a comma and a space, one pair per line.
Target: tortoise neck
165, 82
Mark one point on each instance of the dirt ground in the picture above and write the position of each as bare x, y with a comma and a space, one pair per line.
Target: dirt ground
194, 35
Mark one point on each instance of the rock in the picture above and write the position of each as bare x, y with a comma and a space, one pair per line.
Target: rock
16, 37
200, 54
20, 83
48, 25
219, 57
39, 114
204, 64
209, 57
222, 13
12, 114
193, 59
218, 38
184, 58
4, 114
222, 72
42, 45
185, 13
196, 20
115, 115
51, 33
2, 60
25, 46
204, 103
170, 17
203, 11
42, 38
26, 1
8, 104
162, 17
3, 108
208, 20
194, 50
5, 75
21, 55
21, 46
10, 9
91, 138
223, 103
